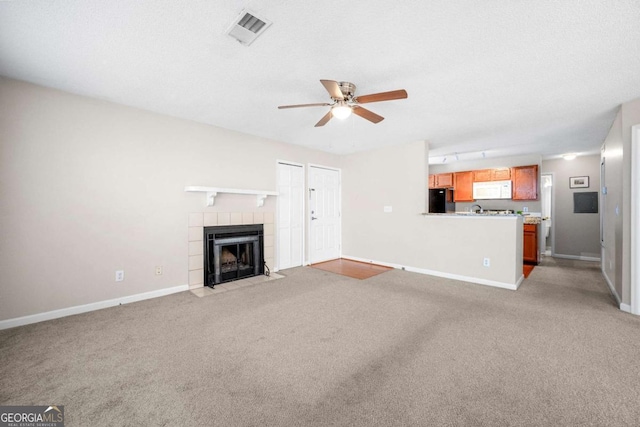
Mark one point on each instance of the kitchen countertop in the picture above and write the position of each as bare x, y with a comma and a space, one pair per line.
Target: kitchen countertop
532, 220
472, 215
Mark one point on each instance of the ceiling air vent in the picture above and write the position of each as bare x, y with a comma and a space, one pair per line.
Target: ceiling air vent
247, 27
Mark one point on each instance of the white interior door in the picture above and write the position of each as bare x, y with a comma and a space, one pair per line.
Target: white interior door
324, 211
290, 215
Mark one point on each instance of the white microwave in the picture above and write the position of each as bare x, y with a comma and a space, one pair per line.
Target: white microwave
492, 190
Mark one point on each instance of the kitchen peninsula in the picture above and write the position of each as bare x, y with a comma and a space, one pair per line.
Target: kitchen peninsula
383, 213
480, 248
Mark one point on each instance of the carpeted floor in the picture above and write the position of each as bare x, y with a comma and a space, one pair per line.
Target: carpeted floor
318, 349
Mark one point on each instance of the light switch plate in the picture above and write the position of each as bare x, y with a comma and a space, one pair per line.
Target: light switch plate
388, 209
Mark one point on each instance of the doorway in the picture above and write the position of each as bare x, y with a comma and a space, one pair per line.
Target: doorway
290, 213
325, 233
547, 213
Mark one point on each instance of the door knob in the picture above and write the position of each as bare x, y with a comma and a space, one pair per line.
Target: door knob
313, 217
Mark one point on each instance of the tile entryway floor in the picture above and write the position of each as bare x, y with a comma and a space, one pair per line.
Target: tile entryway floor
236, 284
353, 269
526, 269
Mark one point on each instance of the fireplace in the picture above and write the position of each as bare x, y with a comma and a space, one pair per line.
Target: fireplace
232, 252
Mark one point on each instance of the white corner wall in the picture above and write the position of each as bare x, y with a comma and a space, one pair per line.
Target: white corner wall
617, 152
611, 203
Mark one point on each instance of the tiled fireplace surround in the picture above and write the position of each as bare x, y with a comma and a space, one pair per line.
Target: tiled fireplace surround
199, 220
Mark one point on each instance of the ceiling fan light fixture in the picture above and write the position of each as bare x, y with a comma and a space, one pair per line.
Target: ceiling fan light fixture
341, 111
344, 102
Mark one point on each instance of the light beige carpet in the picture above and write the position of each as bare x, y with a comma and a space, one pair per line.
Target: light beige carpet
318, 349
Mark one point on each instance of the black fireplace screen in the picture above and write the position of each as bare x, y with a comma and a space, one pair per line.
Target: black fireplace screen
232, 252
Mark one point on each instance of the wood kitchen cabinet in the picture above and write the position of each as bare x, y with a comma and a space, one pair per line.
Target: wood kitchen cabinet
463, 184
530, 244
482, 175
499, 174
525, 182
441, 180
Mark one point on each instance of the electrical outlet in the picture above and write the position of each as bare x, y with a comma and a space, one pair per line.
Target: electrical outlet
158, 270
525, 209
119, 275
486, 262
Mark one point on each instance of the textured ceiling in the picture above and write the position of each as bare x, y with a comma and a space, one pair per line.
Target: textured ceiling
499, 77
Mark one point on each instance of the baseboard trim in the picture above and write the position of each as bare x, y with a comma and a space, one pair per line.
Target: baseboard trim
78, 309
476, 280
612, 289
577, 257
623, 307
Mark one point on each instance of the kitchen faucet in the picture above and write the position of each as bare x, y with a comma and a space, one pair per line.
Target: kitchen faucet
479, 208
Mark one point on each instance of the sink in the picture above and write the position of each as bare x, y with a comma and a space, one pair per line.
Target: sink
488, 212
499, 212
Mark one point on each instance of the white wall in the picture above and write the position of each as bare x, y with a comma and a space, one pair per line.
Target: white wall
630, 118
371, 180
89, 187
612, 150
616, 153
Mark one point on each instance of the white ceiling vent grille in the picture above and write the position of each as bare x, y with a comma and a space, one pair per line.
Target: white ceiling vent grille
247, 27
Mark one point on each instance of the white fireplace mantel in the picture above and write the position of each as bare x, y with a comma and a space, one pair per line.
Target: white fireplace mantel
212, 192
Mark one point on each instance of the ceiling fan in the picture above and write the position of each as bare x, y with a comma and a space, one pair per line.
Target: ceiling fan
344, 102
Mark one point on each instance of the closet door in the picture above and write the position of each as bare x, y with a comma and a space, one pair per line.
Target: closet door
290, 215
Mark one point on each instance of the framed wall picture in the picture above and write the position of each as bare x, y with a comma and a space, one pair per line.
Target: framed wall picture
579, 182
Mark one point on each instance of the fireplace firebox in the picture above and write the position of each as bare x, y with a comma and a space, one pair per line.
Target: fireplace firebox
232, 252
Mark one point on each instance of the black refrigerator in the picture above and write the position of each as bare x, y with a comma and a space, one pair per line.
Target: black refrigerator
441, 201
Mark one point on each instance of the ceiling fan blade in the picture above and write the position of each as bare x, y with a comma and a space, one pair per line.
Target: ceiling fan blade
382, 96
366, 114
323, 121
332, 87
321, 104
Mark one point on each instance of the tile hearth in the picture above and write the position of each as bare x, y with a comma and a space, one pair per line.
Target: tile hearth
237, 284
